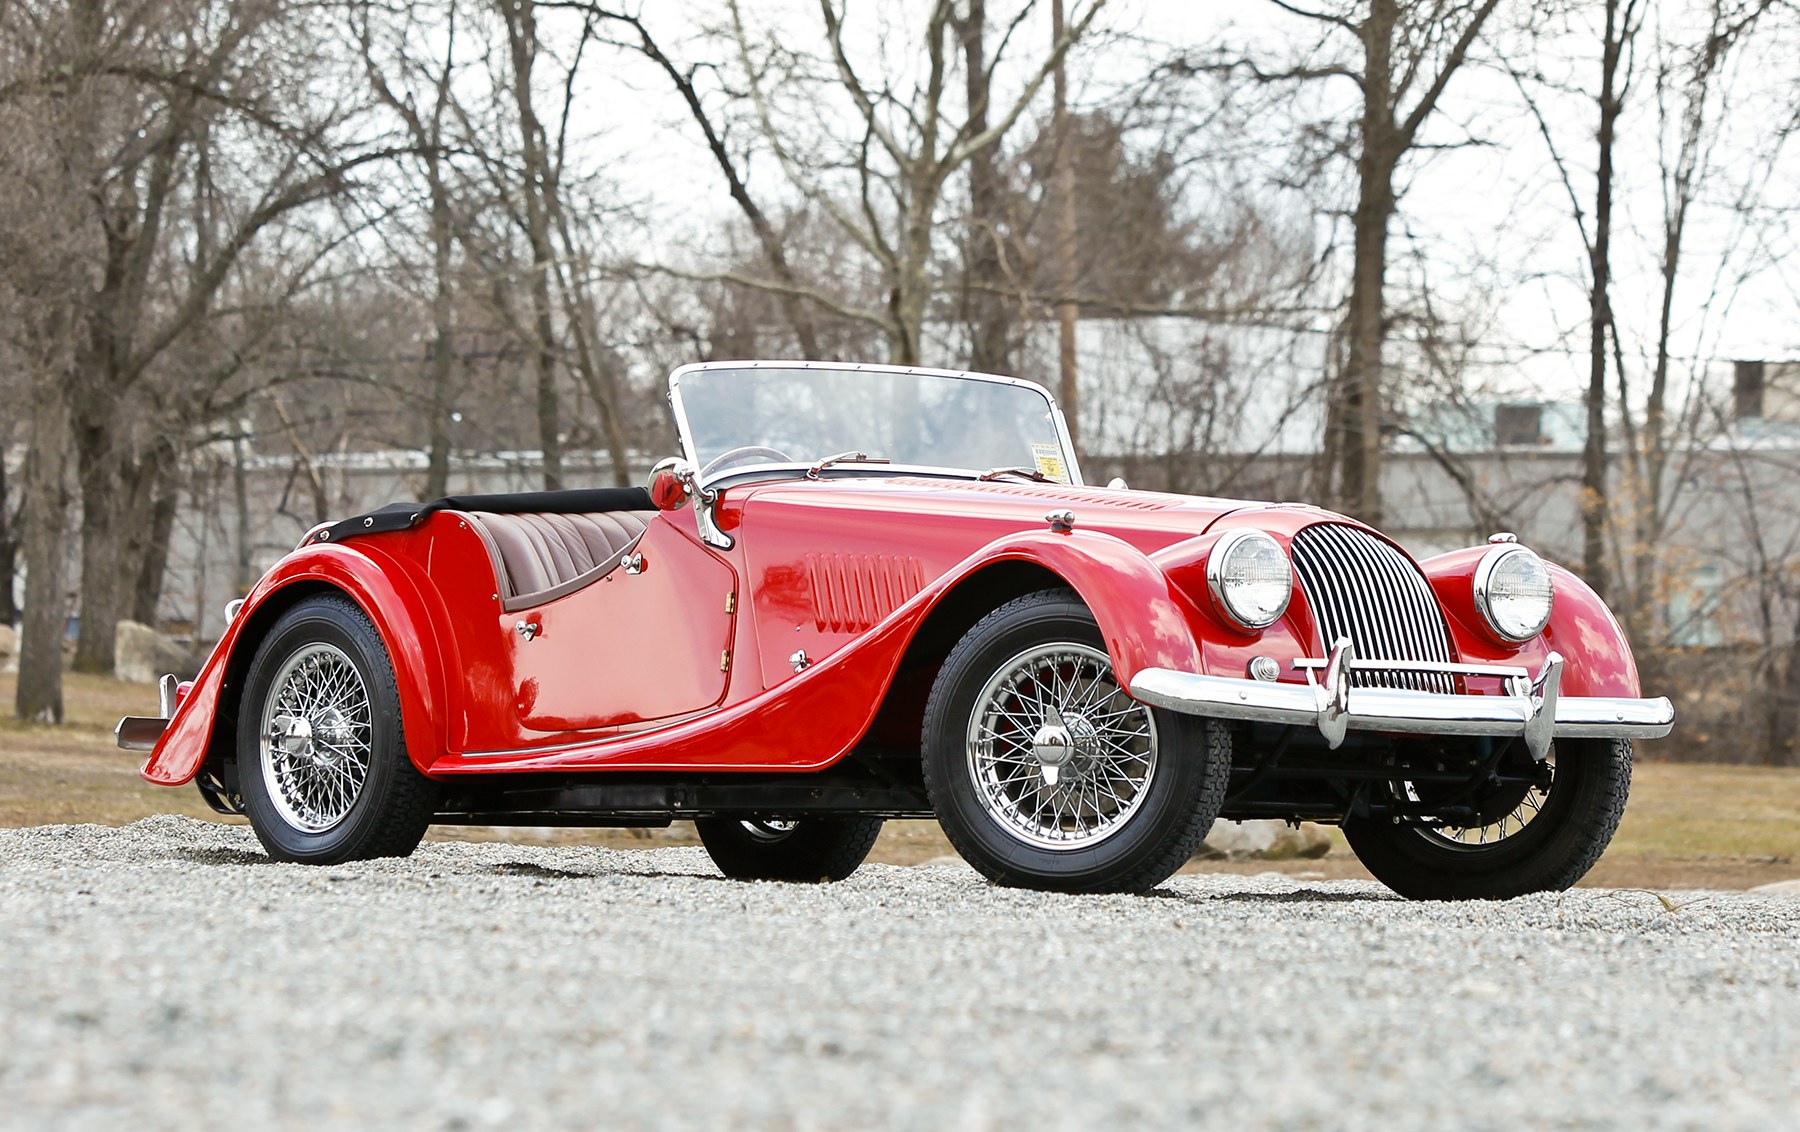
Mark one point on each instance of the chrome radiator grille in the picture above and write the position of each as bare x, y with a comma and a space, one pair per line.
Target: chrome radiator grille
1362, 588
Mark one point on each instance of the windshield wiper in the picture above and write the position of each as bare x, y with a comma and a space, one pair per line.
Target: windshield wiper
1025, 473
812, 473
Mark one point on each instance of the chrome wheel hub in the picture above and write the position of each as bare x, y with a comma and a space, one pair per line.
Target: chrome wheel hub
316, 738
769, 829
1060, 756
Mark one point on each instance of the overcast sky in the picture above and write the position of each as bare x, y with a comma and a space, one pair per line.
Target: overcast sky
1486, 224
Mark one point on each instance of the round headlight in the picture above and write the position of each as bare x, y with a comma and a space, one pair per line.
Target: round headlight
1250, 578
1514, 592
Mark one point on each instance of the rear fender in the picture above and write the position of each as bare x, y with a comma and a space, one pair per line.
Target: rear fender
403, 607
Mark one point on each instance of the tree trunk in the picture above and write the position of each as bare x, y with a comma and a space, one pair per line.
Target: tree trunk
38, 696
142, 486
521, 27
1360, 453
985, 310
1595, 495
9, 550
443, 345
146, 591
1067, 312
243, 576
1359, 401
97, 468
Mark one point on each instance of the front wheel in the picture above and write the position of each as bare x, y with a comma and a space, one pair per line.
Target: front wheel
1541, 839
1046, 774
803, 849
321, 755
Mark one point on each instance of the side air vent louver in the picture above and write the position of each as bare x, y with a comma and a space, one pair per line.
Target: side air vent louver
1362, 588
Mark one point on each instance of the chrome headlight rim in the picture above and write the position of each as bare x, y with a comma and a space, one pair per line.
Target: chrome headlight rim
1484, 573
1220, 555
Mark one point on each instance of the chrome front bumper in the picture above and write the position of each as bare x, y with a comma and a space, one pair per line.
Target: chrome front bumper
1532, 708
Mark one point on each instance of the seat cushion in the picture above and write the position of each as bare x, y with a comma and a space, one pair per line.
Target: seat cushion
543, 556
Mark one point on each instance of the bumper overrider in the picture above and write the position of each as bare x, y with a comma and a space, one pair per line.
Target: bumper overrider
1531, 709
140, 732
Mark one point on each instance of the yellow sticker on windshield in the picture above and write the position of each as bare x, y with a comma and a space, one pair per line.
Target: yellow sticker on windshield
1049, 461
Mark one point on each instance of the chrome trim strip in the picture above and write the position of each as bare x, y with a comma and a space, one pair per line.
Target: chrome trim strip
1503, 670
1334, 707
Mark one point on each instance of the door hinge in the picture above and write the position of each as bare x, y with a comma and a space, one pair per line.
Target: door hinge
725, 661
731, 602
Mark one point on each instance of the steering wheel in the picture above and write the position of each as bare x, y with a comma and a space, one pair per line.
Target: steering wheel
748, 454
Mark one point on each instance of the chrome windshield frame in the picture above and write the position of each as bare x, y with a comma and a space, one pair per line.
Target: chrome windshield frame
689, 453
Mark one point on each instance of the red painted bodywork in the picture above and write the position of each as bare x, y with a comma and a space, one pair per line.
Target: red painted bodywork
687, 665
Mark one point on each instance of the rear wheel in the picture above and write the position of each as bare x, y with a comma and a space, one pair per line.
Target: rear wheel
1045, 774
803, 849
1537, 839
321, 756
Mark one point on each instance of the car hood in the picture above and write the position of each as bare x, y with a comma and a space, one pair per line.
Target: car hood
1148, 520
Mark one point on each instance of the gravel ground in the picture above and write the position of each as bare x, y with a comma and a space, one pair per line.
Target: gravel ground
166, 975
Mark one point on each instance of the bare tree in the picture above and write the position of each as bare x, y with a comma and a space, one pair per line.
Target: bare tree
1401, 56
788, 288
907, 148
426, 129
536, 184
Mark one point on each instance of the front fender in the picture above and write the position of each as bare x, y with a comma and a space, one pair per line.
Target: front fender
1140, 615
401, 603
1597, 656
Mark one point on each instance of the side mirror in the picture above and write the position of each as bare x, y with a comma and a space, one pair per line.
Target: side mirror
671, 482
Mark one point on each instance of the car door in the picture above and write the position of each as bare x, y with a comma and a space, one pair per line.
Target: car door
647, 641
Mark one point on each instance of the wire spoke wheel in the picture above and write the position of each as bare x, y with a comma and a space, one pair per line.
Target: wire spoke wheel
1508, 823
1060, 756
315, 737
1045, 773
1538, 835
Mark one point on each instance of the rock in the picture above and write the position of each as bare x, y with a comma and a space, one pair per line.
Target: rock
1779, 888
1310, 841
142, 655
1241, 838
1269, 840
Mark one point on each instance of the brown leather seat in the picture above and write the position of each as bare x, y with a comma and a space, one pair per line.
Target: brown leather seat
541, 557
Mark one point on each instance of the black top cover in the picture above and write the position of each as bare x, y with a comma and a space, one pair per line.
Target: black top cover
581, 501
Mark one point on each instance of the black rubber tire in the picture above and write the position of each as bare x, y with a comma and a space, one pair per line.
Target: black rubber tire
396, 804
815, 850
1556, 849
1183, 797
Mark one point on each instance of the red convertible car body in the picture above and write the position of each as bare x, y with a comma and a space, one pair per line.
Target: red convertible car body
757, 643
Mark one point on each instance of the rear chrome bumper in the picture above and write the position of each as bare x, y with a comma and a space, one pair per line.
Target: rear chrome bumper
140, 732
1533, 708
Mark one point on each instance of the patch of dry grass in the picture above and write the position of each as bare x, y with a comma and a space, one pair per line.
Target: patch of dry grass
1688, 825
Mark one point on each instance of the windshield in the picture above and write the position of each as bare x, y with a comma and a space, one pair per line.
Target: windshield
734, 418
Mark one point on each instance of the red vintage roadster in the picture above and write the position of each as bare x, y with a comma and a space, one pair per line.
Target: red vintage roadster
865, 592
